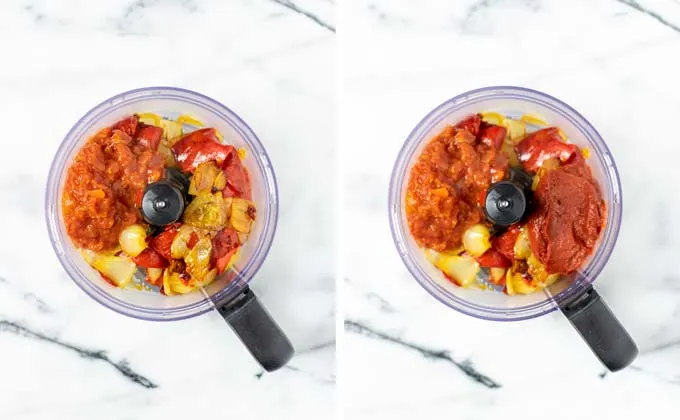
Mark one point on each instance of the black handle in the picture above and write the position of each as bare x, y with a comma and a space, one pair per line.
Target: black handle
257, 330
598, 326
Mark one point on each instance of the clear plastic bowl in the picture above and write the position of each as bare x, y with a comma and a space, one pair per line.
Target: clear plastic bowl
511, 101
169, 102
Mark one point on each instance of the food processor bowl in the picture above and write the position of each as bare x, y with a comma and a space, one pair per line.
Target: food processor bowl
513, 102
168, 102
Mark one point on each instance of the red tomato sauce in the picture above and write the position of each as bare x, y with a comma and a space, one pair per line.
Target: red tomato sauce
105, 183
451, 174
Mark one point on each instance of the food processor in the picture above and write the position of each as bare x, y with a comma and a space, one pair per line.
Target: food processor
229, 293
574, 294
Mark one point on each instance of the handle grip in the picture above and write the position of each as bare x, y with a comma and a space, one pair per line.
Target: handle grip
600, 329
257, 330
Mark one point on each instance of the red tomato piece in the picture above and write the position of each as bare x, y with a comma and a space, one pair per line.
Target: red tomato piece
149, 136
201, 146
493, 258
542, 145
150, 258
163, 241
470, 124
505, 243
127, 125
492, 135
225, 244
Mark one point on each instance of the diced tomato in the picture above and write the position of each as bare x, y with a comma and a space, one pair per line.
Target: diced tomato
238, 181
149, 136
471, 124
225, 244
201, 146
493, 258
163, 241
492, 135
127, 125
150, 258
542, 145
193, 239
505, 243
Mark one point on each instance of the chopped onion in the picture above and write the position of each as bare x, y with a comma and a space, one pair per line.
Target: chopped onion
132, 240
220, 181
165, 151
153, 275
509, 151
242, 214
179, 247
516, 284
173, 284
198, 259
209, 278
522, 248
207, 211
496, 274
204, 178
516, 130
476, 240
172, 131
117, 269
461, 268
538, 272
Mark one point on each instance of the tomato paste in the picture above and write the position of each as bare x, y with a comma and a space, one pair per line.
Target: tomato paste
569, 218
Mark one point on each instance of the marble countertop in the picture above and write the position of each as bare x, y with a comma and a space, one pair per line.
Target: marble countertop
64, 356
405, 355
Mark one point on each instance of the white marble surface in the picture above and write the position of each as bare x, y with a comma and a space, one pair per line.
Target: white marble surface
62, 355
617, 65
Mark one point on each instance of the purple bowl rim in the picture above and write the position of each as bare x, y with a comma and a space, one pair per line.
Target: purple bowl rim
222, 293
564, 294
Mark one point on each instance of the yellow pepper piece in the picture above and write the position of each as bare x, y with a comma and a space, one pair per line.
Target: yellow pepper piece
533, 119
150, 118
492, 118
189, 120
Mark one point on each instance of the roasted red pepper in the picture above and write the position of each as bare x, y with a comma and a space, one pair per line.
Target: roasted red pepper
149, 136
150, 258
505, 243
470, 124
493, 258
193, 239
238, 181
201, 146
163, 241
127, 125
225, 244
492, 135
542, 145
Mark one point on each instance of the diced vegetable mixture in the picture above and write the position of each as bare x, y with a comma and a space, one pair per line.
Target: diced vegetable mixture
446, 194
103, 192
